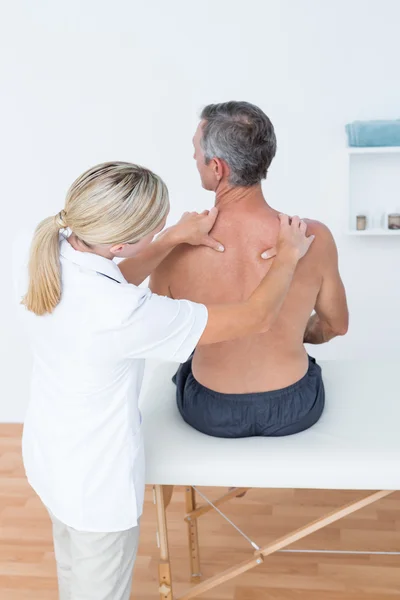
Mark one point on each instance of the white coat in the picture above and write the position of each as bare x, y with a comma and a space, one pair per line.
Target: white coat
82, 442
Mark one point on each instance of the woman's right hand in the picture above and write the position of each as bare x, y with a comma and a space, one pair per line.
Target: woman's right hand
292, 238
194, 229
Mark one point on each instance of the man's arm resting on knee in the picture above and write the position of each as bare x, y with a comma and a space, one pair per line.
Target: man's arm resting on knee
331, 316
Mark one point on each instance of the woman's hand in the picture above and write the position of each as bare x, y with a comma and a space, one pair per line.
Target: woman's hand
292, 237
194, 229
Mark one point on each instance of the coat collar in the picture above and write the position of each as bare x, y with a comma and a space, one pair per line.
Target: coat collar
91, 261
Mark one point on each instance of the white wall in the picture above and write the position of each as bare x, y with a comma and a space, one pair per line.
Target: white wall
84, 82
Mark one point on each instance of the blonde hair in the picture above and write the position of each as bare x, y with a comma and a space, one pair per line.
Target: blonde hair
111, 203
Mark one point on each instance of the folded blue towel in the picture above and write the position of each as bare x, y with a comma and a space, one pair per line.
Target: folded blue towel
373, 133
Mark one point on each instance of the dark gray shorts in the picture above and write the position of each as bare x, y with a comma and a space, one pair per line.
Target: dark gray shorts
277, 413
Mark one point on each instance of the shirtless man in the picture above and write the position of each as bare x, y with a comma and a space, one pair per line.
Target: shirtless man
264, 384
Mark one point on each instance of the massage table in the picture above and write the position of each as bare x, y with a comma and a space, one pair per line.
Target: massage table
355, 446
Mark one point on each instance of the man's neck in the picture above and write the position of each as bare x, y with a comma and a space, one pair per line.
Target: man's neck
239, 198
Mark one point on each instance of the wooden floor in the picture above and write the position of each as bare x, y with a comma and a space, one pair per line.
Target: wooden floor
27, 569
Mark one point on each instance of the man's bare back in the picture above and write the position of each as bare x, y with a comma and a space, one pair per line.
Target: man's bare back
277, 358
234, 145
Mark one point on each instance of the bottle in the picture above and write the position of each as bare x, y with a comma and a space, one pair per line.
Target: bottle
361, 222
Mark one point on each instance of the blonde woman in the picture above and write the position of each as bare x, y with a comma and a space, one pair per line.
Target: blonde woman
90, 332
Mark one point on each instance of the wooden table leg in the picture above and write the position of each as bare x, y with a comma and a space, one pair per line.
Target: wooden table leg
164, 568
193, 536
283, 542
168, 490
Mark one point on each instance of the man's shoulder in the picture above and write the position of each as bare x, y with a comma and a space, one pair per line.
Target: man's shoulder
317, 227
323, 235
323, 248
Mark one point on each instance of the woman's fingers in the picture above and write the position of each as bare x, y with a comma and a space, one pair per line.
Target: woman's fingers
295, 222
212, 243
211, 217
293, 237
284, 219
310, 239
270, 253
194, 229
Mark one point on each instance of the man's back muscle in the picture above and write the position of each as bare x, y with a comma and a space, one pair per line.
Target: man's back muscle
266, 361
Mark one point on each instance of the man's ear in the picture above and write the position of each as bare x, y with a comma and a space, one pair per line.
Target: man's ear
220, 168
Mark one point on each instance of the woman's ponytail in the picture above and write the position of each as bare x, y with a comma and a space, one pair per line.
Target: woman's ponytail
44, 291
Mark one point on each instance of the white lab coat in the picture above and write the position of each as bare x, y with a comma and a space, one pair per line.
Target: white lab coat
82, 443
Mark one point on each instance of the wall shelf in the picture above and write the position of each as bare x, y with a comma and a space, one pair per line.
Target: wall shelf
374, 150
374, 189
375, 232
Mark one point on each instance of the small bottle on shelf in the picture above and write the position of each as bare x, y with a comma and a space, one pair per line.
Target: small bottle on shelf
361, 222
393, 221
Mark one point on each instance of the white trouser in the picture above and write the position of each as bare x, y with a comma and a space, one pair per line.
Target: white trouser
94, 566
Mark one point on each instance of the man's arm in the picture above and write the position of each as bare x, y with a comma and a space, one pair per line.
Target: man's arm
331, 316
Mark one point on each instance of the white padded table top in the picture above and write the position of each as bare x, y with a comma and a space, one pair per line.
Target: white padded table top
355, 445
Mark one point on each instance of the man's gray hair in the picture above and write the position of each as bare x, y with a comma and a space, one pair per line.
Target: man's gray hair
242, 135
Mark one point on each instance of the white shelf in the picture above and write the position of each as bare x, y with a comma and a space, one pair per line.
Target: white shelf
368, 232
374, 150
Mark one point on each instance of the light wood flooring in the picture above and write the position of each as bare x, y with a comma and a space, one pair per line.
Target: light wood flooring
27, 568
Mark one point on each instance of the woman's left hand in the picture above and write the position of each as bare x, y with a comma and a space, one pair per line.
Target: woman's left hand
194, 229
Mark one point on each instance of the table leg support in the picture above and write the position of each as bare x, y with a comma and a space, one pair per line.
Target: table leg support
164, 568
193, 535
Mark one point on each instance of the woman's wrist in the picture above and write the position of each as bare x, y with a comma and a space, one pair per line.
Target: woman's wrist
288, 255
172, 237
